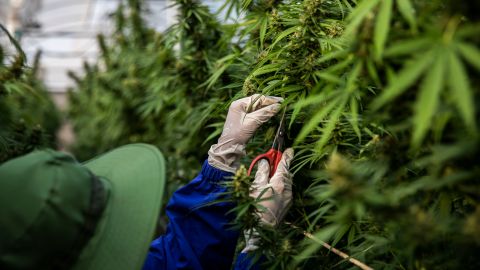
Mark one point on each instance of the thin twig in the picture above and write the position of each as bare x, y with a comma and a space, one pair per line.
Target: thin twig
334, 250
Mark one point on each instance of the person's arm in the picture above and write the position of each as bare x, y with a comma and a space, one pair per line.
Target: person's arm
198, 234
246, 261
274, 198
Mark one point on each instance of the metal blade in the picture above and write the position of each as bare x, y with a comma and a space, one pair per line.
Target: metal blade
280, 131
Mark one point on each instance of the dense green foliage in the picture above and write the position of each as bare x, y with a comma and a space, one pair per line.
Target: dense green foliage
381, 99
28, 118
144, 90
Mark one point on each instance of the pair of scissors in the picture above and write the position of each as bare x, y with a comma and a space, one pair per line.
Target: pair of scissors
274, 155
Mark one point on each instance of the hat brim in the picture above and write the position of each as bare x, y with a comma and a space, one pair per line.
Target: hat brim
136, 175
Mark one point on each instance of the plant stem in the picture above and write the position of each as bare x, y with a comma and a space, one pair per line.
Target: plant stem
334, 250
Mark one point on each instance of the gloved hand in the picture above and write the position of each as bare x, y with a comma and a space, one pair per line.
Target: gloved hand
274, 195
244, 117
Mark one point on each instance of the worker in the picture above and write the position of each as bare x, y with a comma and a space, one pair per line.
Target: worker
201, 237
58, 214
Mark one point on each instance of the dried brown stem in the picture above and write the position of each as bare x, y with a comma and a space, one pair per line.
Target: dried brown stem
334, 250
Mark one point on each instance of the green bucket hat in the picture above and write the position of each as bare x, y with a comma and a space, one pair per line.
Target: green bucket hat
56, 213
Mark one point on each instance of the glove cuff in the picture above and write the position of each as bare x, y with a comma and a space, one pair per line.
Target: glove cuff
226, 155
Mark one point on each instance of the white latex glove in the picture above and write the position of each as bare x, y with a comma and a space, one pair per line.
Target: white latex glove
244, 117
274, 195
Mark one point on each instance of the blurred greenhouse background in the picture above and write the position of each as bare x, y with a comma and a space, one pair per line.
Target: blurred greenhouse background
381, 100
65, 33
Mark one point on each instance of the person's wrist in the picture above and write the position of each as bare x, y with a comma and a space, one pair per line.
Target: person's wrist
225, 155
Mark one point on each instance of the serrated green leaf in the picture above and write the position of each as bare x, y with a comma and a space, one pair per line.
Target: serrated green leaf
469, 30
352, 77
323, 95
348, 5
317, 241
460, 90
354, 120
271, 85
409, 46
315, 120
372, 71
332, 55
328, 77
245, 4
382, 27
408, 12
266, 69
290, 88
406, 77
340, 6
358, 14
283, 35
344, 228
331, 124
295, 112
470, 53
351, 235
339, 66
15, 43
213, 79
263, 30
427, 101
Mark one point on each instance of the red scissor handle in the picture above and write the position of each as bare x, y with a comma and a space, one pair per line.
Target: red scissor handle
273, 157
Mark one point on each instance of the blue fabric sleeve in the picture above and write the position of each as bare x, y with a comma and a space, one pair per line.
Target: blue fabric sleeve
246, 261
198, 234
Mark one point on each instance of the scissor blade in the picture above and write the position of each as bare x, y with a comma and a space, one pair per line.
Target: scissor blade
278, 140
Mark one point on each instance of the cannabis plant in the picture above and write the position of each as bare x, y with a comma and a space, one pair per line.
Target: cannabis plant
28, 118
381, 98
151, 87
